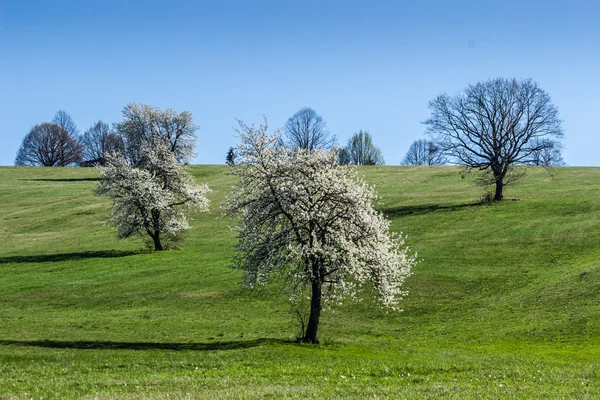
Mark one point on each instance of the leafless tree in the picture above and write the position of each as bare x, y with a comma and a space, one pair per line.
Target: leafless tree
360, 150
144, 124
494, 125
97, 141
307, 130
48, 145
424, 152
549, 154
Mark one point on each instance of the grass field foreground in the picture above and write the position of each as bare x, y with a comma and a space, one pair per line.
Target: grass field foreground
503, 304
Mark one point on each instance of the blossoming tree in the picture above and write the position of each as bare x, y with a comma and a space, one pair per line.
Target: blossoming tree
310, 220
154, 199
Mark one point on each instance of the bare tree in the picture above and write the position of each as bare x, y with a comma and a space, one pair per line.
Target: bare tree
549, 154
307, 130
424, 152
360, 150
494, 125
145, 124
48, 145
98, 141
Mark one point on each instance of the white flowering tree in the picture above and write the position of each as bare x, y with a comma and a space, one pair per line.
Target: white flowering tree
155, 199
308, 220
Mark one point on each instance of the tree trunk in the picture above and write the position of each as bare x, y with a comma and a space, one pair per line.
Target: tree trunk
315, 314
157, 244
156, 229
499, 186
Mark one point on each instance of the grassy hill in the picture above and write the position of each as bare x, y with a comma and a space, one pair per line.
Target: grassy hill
505, 302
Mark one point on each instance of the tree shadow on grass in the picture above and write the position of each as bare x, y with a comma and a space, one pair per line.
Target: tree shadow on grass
107, 345
67, 256
405, 211
63, 179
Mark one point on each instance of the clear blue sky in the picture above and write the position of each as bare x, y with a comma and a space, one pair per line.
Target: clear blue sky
371, 65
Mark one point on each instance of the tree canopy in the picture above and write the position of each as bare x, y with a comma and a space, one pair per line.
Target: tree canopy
65, 121
153, 199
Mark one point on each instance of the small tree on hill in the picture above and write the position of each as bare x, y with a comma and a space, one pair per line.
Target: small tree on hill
360, 150
310, 221
307, 130
424, 152
548, 154
154, 199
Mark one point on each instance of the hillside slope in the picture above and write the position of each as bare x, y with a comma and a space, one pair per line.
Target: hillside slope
503, 304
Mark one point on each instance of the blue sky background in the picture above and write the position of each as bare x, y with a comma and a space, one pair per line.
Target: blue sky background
371, 65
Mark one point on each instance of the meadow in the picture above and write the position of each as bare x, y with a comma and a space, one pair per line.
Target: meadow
504, 302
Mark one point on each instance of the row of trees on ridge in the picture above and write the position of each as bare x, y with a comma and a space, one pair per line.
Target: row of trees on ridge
58, 143
308, 131
490, 126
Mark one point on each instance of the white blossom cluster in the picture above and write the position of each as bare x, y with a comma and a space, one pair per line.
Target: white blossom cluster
155, 199
307, 218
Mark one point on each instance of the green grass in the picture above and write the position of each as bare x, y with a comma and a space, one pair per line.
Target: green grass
503, 304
